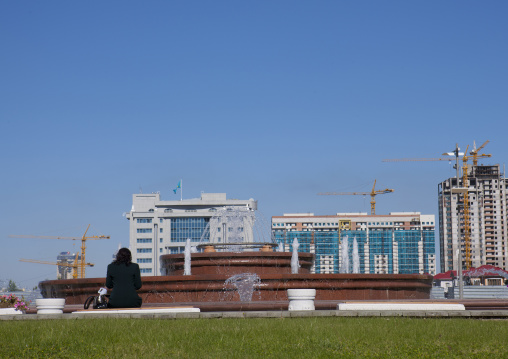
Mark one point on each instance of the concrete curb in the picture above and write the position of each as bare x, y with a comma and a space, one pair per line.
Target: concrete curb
479, 314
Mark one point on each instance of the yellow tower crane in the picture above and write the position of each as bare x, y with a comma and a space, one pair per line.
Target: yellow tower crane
372, 194
465, 199
474, 152
84, 238
74, 265
465, 194
416, 159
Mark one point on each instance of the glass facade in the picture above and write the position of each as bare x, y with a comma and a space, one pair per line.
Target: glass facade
429, 250
324, 245
408, 242
380, 250
187, 227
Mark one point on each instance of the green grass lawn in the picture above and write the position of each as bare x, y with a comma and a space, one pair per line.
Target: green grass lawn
255, 338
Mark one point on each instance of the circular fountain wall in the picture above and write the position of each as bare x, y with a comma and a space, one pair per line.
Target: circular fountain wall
230, 263
207, 284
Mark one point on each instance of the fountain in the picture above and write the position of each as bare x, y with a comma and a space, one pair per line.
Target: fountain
294, 258
235, 255
244, 284
344, 255
356, 257
187, 258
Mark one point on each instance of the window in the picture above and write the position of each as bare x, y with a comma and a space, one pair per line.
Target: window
144, 250
176, 250
145, 270
144, 220
160, 230
160, 240
144, 240
144, 260
144, 230
160, 220
150, 210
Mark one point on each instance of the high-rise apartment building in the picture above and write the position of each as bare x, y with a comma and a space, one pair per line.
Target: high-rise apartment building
401, 242
486, 223
162, 227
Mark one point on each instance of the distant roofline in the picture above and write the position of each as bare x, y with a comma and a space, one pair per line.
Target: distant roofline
350, 215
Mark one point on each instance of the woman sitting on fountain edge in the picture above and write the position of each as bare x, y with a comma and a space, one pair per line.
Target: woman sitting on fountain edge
124, 278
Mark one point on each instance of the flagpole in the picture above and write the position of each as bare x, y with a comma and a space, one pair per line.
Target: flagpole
181, 190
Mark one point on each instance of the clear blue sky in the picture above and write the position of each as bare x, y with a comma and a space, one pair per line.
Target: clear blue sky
271, 100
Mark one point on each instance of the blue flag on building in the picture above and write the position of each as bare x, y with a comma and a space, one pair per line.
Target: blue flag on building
179, 185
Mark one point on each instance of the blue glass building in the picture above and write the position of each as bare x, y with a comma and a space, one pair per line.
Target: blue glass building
396, 243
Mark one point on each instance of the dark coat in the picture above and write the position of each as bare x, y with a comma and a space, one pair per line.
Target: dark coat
125, 280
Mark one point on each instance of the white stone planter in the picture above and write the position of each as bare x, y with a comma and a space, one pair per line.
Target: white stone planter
301, 299
9, 311
50, 305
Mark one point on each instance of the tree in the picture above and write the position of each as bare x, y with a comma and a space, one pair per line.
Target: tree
12, 287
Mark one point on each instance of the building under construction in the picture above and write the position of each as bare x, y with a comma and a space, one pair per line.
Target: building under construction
476, 217
401, 242
65, 261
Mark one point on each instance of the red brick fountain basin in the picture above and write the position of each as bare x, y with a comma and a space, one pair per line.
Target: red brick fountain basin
211, 270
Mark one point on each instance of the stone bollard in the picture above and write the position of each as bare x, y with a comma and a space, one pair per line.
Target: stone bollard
301, 299
50, 305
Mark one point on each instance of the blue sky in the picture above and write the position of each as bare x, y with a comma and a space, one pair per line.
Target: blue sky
271, 100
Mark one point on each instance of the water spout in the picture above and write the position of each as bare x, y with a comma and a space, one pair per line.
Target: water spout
244, 284
294, 258
280, 247
344, 256
356, 257
187, 258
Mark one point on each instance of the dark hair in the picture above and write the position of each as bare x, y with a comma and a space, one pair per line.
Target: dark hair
123, 256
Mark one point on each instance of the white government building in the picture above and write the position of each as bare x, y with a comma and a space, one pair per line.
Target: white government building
162, 227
